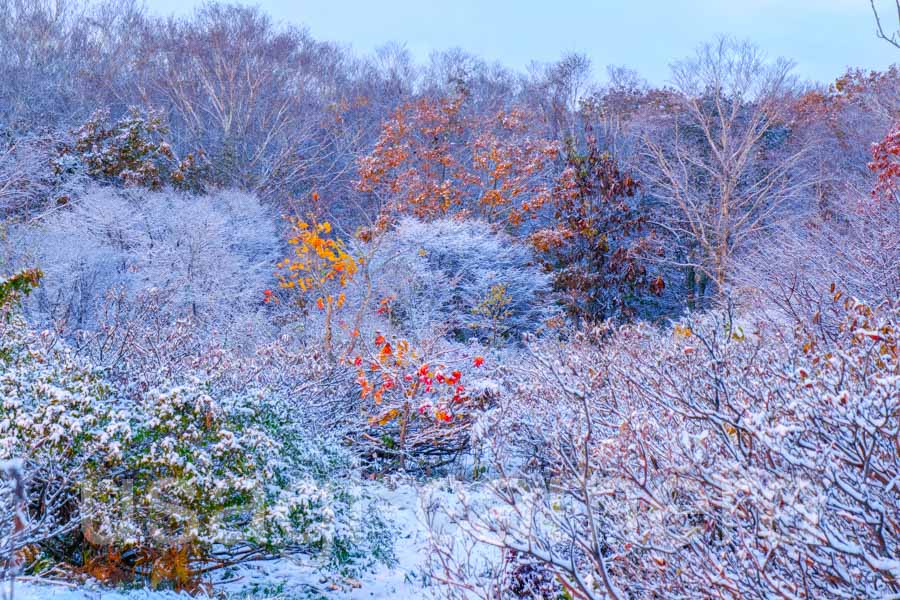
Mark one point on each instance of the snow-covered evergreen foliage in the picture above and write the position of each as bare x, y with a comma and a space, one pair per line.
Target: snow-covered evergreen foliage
166, 476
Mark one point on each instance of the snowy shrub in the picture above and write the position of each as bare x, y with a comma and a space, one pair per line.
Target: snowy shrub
167, 484
715, 459
857, 248
202, 480
26, 182
133, 151
419, 408
60, 421
15, 287
139, 343
462, 277
213, 483
213, 255
853, 246
311, 392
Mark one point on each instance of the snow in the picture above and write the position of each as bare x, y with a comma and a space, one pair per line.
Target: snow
29, 590
401, 506
12, 465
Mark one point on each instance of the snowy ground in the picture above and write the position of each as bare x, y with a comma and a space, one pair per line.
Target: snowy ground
283, 579
33, 591
401, 507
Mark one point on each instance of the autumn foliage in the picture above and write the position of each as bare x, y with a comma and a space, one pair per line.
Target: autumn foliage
436, 157
18, 285
886, 165
612, 340
319, 270
419, 408
591, 238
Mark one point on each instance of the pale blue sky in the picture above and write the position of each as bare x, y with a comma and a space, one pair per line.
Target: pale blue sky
822, 36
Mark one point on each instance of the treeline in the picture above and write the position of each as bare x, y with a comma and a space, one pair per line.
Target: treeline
639, 199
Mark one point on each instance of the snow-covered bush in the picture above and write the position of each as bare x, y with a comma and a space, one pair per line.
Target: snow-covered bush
60, 421
463, 277
26, 182
205, 481
857, 249
166, 484
717, 458
15, 287
133, 151
212, 255
854, 246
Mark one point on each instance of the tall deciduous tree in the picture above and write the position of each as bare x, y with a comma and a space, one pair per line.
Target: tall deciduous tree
434, 157
590, 239
259, 98
721, 168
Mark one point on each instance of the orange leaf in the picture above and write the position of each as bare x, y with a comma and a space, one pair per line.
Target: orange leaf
386, 417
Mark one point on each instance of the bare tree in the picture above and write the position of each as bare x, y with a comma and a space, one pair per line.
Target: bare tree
60, 59
718, 163
556, 90
259, 98
17, 166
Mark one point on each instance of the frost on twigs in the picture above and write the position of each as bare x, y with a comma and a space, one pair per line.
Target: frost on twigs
462, 278
713, 458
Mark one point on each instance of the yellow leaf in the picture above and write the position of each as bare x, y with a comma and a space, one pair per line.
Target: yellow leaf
682, 331
386, 418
